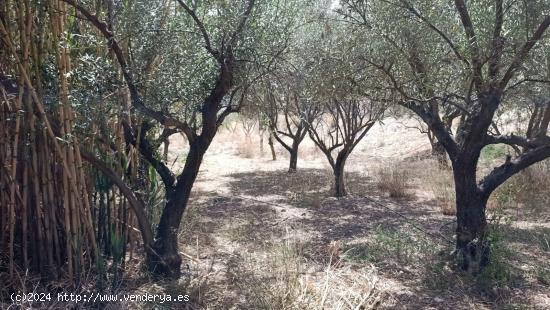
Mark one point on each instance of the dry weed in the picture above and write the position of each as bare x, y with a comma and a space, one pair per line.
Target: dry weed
334, 250
343, 288
441, 183
528, 188
246, 149
269, 279
277, 279
395, 181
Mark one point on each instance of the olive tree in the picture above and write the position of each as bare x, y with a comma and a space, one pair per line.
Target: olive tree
284, 97
288, 111
349, 99
341, 125
210, 53
469, 56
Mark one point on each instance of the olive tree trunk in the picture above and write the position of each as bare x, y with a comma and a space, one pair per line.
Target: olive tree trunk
293, 165
272, 147
166, 260
471, 246
339, 174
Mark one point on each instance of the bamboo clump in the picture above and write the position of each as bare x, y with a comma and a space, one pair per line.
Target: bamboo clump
59, 217
45, 211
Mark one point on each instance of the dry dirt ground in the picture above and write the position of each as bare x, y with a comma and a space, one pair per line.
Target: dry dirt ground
258, 237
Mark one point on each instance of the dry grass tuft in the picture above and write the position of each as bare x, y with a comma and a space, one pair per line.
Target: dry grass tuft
528, 188
441, 183
277, 279
448, 207
343, 288
270, 279
334, 250
246, 149
395, 181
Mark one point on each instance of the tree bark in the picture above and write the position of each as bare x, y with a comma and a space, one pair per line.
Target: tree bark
438, 151
471, 246
339, 182
294, 157
167, 261
293, 148
272, 147
166, 147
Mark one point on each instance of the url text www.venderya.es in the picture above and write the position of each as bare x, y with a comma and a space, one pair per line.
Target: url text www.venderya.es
20, 299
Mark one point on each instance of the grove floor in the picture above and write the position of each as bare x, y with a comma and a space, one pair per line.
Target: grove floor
258, 237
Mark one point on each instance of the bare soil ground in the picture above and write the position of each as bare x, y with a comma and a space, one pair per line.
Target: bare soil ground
257, 237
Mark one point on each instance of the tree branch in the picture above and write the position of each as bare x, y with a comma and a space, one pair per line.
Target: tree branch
514, 140
436, 126
147, 151
498, 41
437, 30
472, 40
202, 29
502, 173
136, 203
137, 100
242, 23
519, 59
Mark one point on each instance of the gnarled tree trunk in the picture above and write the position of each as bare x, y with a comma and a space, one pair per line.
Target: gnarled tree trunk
166, 260
471, 247
294, 156
438, 151
272, 147
338, 170
293, 148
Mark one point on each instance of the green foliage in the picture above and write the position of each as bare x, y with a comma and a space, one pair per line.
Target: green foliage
529, 187
103, 183
118, 245
437, 274
101, 268
154, 196
493, 152
544, 241
404, 248
118, 250
397, 245
542, 274
500, 272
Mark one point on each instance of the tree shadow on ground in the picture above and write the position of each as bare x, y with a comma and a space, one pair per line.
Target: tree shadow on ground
361, 216
238, 219
348, 217
532, 243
